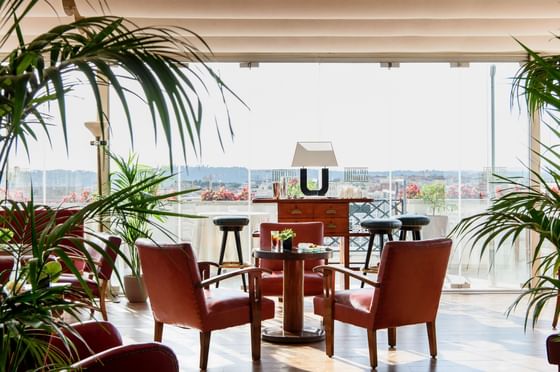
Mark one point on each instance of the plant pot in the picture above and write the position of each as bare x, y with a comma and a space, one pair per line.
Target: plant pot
437, 228
134, 288
553, 349
287, 244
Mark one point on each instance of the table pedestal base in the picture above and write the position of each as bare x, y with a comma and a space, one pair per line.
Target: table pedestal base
279, 336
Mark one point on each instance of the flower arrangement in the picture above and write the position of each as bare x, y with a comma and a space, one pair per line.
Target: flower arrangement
286, 237
287, 234
294, 191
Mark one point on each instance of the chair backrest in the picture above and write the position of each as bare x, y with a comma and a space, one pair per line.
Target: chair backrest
96, 336
306, 232
6, 267
18, 221
110, 244
411, 276
172, 278
149, 356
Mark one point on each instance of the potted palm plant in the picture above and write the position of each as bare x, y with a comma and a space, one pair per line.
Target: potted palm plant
41, 70
532, 206
131, 225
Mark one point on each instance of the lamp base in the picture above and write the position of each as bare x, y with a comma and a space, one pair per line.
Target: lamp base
324, 182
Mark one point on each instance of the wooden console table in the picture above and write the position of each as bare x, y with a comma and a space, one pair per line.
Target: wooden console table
333, 212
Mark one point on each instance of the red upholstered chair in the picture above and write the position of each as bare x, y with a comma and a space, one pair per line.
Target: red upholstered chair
179, 295
104, 268
18, 220
306, 232
407, 291
6, 267
100, 349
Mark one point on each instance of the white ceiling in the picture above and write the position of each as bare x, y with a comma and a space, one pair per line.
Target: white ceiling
385, 30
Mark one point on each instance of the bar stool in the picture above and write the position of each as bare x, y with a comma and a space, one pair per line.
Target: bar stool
412, 223
234, 224
378, 227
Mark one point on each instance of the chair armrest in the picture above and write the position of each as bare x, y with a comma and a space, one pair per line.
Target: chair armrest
204, 268
247, 270
348, 272
150, 356
207, 263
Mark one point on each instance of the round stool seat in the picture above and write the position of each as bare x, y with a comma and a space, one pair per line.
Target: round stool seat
231, 221
413, 220
381, 224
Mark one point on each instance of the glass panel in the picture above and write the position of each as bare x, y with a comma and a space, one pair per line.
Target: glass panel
58, 176
398, 134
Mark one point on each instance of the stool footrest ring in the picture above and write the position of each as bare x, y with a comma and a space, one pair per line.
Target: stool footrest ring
371, 270
234, 265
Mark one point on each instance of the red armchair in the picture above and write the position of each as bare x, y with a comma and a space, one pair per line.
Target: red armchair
104, 268
179, 295
18, 220
100, 349
306, 232
407, 291
6, 267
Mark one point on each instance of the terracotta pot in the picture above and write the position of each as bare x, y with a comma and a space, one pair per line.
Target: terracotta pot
134, 288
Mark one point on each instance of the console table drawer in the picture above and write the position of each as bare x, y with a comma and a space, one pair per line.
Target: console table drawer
334, 225
331, 210
295, 210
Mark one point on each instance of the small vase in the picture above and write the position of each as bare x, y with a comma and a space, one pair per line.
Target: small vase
287, 244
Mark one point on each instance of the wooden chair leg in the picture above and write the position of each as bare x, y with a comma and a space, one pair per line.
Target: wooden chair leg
431, 326
255, 298
102, 297
204, 348
328, 323
328, 311
392, 335
158, 331
256, 340
372, 345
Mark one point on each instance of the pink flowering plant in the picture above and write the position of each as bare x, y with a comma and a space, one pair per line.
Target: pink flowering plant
413, 191
224, 194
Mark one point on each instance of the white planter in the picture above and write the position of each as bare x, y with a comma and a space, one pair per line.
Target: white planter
134, 288
437, 228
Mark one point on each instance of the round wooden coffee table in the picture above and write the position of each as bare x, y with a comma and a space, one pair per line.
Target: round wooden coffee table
293, 330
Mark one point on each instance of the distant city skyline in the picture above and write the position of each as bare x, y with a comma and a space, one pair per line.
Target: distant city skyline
417, 117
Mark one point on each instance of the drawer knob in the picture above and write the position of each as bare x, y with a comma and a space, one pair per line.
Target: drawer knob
330, 211
331, 226
295, 211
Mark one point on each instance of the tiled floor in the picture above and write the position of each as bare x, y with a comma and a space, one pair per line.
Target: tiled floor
473, 335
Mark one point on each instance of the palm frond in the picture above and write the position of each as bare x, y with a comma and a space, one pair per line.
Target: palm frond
155, 57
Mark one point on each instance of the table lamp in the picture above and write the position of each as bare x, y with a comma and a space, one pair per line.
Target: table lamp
314, 154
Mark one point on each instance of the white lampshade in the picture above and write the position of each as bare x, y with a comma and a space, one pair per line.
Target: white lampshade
95, 128
314, 154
